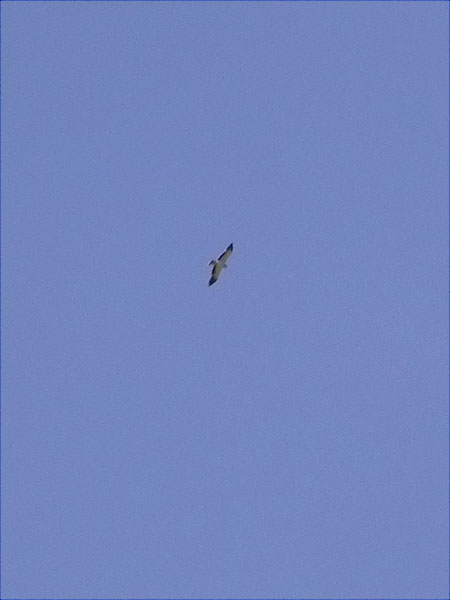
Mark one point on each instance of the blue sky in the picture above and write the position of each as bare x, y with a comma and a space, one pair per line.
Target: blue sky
283, 433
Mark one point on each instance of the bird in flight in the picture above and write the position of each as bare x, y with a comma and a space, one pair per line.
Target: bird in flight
219, 264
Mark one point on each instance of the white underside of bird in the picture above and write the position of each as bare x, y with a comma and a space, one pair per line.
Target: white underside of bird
219, 264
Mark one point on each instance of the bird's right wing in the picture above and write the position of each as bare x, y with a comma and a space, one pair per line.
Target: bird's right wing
215, 274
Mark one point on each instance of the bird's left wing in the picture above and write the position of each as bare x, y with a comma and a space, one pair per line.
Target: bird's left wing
224, 256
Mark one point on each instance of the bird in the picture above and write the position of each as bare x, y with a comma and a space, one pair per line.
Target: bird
219, 264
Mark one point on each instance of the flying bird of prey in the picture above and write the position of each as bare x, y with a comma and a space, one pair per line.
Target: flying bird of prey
219, 264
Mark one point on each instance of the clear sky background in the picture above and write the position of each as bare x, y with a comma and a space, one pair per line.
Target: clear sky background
283, 433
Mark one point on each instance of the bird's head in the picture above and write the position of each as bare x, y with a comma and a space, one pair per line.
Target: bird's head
211, 263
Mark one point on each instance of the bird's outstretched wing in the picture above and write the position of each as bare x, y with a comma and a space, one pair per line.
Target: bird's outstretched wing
224, 256
215, 274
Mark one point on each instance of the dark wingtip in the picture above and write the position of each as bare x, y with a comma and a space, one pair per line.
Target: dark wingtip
230, 247
212, 280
